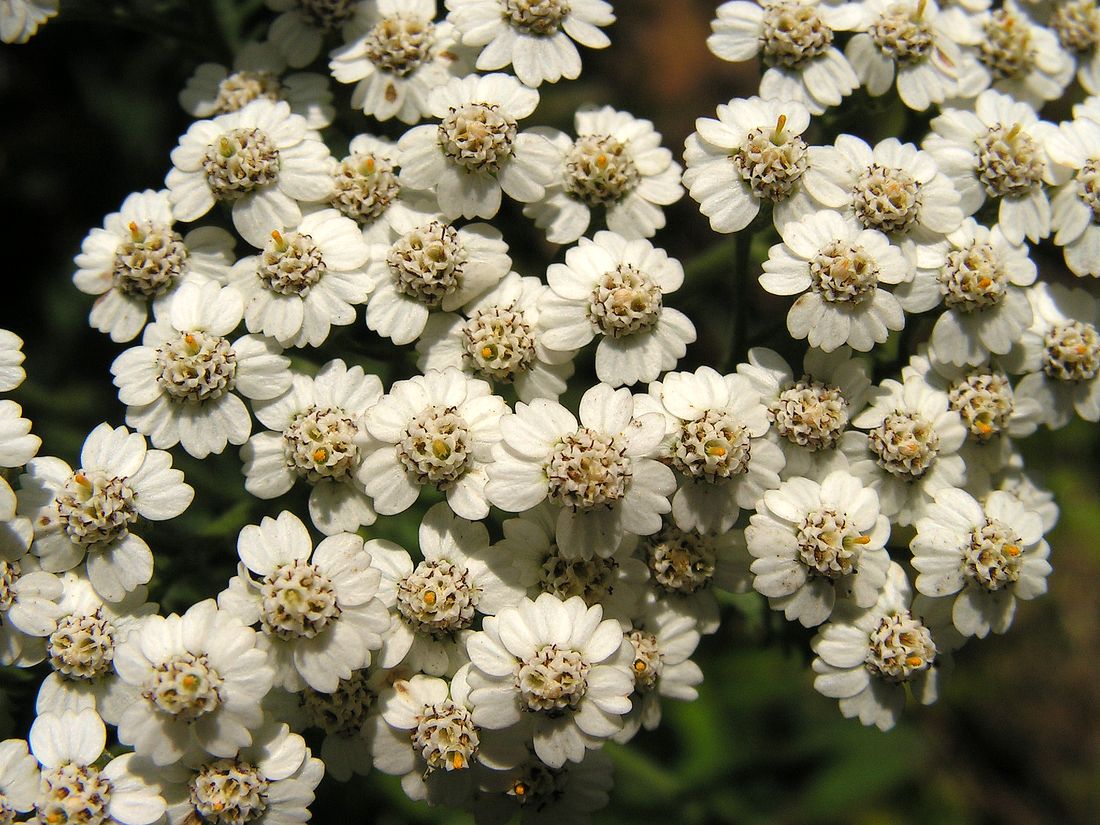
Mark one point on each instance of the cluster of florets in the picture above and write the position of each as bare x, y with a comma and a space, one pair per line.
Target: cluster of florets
832, 497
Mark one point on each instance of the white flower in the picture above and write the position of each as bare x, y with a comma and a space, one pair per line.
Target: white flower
560, 666
599, 469
74, 789
753, 152
534, 36
178, 385
300, 29
396, 57
981, 283
347, 717
430, 737
138, 259
1033, 497
809, 413
816, 542
88, 512
989, 553
795, 39
1077, 24
997, 151
28, 610
20, 19
915, 41
82, 648
18, 778
316, 608
12, 373
615, 288
1075, 208
1060, 354
306, 280
258, 72
435, 601
427, 264
18, 444
871, 659
911, 448
714, 428
477, 150
542, 795
837, 267
263, 159
435, 430
317, 432
616, 162
498, 338
201, 678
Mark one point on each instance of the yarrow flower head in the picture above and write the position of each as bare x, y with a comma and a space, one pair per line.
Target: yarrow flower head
28, 609
19, 778
1075, 208
299, 32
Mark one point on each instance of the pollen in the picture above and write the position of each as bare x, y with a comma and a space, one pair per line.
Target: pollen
1012, 550
135, 232
430, 598
780, 125
914, 661
320, 454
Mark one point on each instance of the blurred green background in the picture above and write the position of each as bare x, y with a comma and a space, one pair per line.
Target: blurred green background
90, 115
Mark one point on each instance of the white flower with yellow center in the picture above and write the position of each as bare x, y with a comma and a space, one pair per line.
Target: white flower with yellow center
795, 41
178, 386
306, 280
535, 37
714, 438
201, 678
28, 610
299, 32
816, 544
427, 265
838, 269
1060, 354
396, 55
990, 554
808, 413
498, 338
12, 373
316, 432
558, 664
477, 150
316, 608
73, 788
910, 448
599, 469
432, 430
872, 659
347, 717
263, 159
539, 793
997, 151
87, 513
19, 778
258, 72
137, 259
614, 288
753, 152
20, 19
616, 163
1075, 208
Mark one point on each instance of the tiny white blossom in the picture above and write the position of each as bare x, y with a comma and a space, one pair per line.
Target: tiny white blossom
1075, 207
20, 19
542, 795
12, 373
28, 610
19, 778
299, 32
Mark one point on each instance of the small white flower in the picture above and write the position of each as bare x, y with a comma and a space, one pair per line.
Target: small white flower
714, 437
435, 430
997, 151
18, 444
1075, 208
1033, 497
28, 610
88, 512
348, 718
816, 542
837, 267
614, 288
1077, 24
258, 72
558, 664
542, 795
534, 36
396, 57
300, 29
20, 19
427, 264
872, 659
753, 152
795, 40
178, 385
12, 373
477, 150
317, 432
598, 469
201, 678
316, 608
18, 778
138, 259
263, 159
616, 162
498, 338
74, 789
989, 553
910, 449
